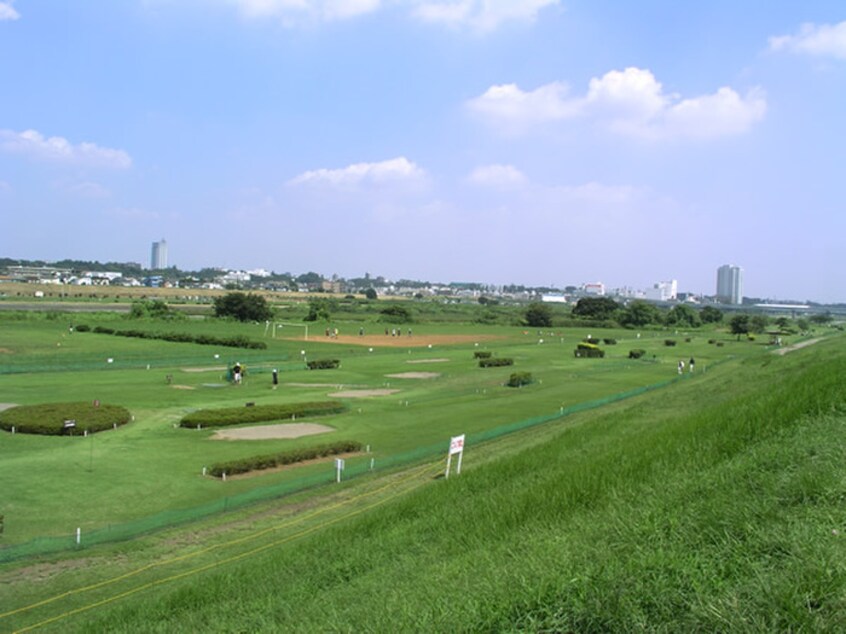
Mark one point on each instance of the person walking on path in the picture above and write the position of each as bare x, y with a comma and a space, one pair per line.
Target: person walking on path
275, 378
681, 367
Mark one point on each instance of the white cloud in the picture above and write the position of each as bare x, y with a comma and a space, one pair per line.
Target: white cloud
827, 40
497, 176
479, 15
34, 144
630, 102
7, 12
87, 190
295, 11
394, 170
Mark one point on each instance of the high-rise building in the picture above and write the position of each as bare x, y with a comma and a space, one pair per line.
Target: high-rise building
730, 284
158, 258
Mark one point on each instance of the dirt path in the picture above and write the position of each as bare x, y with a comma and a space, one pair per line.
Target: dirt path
414, 375
404, 341
796, 346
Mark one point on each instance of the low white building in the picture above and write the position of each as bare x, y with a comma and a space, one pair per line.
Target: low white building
663, 291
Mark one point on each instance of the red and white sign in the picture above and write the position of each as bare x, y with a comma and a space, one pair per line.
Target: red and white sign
456, 444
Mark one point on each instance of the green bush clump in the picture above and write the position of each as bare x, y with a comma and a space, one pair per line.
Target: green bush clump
49, 418
258, 413
82, 328
637, 353
495, 362
669, 342
591, 340
609, 341
103, 330
324, 364
519, 379
482, 354
585, 350
293, 456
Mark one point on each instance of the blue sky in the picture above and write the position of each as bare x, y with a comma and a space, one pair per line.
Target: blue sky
538, 142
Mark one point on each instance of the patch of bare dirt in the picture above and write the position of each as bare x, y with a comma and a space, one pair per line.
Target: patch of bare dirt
6, 351
427, 360
362, 393
268, 432
414, 375
7, 406
183, 387
218, 368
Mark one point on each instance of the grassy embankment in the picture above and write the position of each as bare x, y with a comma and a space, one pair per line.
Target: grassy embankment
713, 505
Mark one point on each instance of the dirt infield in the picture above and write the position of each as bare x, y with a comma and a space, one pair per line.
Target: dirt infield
269, 432
404, 341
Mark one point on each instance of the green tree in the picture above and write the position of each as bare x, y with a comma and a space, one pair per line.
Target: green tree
318, 310
821, 319
711, 315
758, 323
683, 315
243, 307
396, 314
601, 308
538, 315
370, 293
739, 325
640, 313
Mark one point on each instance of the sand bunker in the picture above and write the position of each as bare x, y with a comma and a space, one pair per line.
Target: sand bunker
414, 375
362, 393
337, 386
7, 406
219, 368
182, 387
270, 432
428, 361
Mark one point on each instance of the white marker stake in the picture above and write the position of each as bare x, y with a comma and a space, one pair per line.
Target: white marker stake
78, 536
339, 466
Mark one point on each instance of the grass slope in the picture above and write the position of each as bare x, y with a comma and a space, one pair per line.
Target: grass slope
713, 506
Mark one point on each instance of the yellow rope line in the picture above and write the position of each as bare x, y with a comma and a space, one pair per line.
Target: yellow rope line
252, 536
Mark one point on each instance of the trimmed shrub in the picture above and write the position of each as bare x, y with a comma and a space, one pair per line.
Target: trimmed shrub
609, 341
103, 330
519, 379
669, 342
591, 340
589, 353
637, 353
323, 364
482, 354
495, 362
82, 328
712, 341
258, 414
293, 456
49, 419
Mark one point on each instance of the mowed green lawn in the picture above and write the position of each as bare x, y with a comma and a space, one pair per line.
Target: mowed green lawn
52, 485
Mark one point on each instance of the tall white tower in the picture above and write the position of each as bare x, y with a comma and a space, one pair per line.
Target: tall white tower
730, 284
158, 257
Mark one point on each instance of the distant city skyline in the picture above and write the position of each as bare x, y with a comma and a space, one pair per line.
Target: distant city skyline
534, 142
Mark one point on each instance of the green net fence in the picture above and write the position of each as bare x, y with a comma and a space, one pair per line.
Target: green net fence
353, 469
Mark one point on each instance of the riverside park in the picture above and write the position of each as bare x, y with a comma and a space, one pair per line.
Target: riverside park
619, 491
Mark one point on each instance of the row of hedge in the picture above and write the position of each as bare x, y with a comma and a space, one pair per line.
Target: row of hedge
237, 341
292, 456
224, 417
495, 362
324, 364
50, 419
519, 379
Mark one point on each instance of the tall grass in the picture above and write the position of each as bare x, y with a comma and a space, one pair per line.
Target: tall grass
716, 506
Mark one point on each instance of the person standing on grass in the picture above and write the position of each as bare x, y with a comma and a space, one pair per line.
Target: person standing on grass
275, 378
681, 367
236, 374
690, 365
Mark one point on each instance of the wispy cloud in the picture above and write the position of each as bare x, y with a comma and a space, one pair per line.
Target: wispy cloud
395, 170
479, 15
7, 12
497, 176
86, 190
631, 102
822, 40
293, 12
58, 149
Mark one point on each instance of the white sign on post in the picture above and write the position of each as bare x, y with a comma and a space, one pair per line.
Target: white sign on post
456, 446
339, 466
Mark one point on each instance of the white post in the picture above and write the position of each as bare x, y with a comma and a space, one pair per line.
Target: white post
449, 462
78, 535
224, 476
204, 471
458, 467
339, 466
13, 429
372, 463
